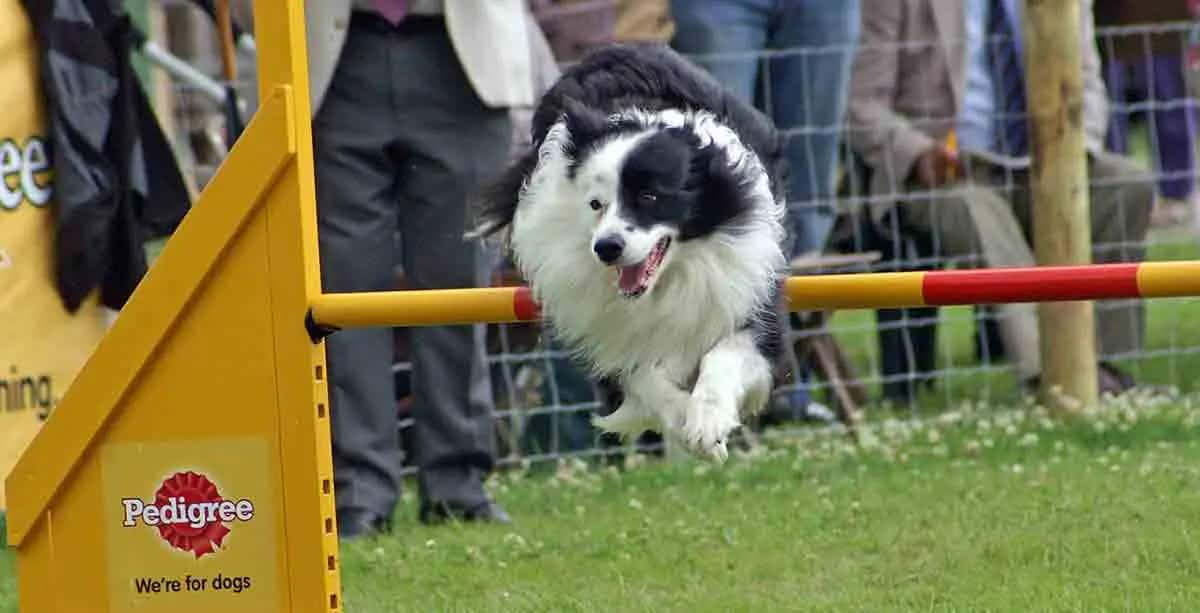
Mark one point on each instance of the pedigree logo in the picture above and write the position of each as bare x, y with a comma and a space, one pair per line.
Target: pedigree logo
188, 512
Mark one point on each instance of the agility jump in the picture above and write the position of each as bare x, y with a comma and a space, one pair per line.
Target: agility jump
330, 312
188, 466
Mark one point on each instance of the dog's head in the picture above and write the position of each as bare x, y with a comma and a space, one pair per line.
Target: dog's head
648, 187
631, 193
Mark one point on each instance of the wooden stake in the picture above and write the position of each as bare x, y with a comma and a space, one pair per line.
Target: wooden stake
1059, 185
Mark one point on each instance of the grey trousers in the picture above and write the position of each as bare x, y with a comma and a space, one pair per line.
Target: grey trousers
401, 140
987, 221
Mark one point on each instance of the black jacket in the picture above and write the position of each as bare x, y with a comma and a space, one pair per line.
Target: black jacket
116, 180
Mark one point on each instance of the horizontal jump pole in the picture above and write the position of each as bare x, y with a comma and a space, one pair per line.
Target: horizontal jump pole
331, 312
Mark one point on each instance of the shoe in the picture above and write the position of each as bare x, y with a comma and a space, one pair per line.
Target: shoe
487, 512
1031, 385
1128, 384
358, 523
1109, 380
818, 412
1112, 380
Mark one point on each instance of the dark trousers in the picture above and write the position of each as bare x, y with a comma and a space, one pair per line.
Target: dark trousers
1173, 124
401, 141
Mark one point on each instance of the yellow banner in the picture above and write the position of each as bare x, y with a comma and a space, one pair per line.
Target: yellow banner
42, 346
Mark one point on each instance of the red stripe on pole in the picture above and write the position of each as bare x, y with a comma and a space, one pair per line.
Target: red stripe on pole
523, 305
1042, 284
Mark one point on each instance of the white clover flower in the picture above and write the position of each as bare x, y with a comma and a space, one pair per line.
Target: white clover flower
950, 418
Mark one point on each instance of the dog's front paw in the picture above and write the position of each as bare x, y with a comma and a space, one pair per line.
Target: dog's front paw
628, 421
710, 419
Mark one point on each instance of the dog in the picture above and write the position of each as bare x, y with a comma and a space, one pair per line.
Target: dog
647, 217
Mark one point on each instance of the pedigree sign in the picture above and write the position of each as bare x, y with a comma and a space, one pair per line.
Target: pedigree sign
188, 525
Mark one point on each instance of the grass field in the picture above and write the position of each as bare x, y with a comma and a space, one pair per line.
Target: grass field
976, 512
984, 514
982, 506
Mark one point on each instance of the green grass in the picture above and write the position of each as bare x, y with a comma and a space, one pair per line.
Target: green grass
8, 579
994, 512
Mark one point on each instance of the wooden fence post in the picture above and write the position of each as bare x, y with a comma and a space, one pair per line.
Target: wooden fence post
1060, 199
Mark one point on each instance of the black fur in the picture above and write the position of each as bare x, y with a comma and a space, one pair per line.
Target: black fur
670, 177
612, 395
651, 77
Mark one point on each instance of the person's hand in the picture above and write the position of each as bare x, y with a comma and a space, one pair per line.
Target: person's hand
937, 166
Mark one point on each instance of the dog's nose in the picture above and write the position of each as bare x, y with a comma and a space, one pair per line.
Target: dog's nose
609, 248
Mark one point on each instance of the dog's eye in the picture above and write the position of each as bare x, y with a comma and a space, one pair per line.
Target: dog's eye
647, 198
595, 204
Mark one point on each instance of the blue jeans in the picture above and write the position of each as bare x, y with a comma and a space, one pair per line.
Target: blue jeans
803, 91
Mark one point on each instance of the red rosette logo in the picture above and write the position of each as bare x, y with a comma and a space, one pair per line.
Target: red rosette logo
193, 489
189, 513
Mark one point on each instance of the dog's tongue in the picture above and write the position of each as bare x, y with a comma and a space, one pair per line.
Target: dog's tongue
631, 276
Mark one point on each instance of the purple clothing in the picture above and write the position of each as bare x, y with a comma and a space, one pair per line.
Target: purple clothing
1160, 81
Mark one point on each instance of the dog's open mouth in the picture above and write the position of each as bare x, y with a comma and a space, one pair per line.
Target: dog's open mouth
635, 280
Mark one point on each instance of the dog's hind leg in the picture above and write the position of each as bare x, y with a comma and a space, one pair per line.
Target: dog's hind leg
629, 421
735, 380
651, 400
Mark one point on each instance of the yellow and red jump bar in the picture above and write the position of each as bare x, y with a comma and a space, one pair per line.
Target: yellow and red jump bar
838, 291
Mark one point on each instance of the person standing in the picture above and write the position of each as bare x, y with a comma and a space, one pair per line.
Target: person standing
410, 102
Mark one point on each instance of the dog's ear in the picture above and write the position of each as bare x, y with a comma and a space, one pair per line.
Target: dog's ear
494, 207
584, 124
722, 191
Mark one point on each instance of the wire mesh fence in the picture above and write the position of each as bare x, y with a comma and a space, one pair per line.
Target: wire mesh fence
904, 362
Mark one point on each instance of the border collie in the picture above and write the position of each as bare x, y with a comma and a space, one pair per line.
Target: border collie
647, 217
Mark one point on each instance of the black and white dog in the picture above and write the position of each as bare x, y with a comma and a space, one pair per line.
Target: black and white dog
648, 219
